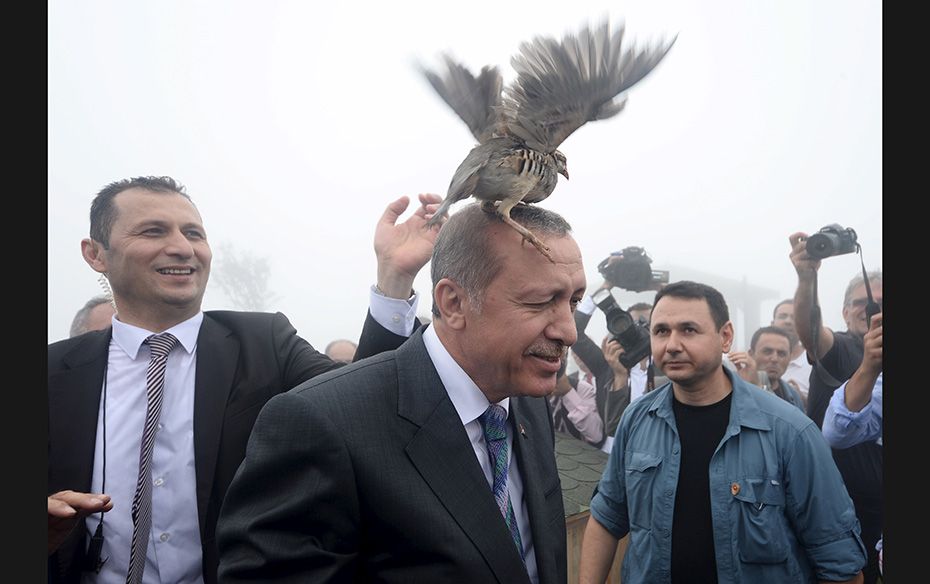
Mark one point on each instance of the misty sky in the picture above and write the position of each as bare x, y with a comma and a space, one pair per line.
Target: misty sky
293, 124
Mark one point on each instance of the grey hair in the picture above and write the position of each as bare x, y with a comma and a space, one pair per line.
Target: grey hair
463, 252
874, 276
79, 324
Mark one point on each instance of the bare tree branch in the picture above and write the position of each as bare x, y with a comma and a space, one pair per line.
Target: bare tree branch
243, 278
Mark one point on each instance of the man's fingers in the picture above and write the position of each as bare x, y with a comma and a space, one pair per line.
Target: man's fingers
394, 210
429, 204
79, 502
430, 199
58, 508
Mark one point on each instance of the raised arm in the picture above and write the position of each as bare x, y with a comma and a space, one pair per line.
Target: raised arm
805, 299
859, 387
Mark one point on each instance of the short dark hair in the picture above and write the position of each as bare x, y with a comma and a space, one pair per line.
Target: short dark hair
698, 291
103, 211
79, 324
639, 306
463, 252
772, 330
785, 301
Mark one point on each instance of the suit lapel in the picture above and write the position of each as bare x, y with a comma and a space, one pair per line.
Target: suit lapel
217, 359
74, 399
442, 453
532, 440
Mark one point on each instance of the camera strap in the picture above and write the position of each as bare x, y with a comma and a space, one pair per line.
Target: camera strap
871, 308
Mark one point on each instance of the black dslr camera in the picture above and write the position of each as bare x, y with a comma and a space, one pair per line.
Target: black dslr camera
632, 271
632, 336
831, 240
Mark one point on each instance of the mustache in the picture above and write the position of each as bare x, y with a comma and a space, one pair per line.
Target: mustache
549, 350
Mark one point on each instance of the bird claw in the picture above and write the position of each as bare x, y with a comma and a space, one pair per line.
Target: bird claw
542, 247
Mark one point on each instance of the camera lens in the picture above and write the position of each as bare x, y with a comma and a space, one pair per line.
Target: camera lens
619, 322
821, 245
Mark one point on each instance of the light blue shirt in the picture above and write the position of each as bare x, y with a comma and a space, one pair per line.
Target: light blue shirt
174, 550
470, 402
780, 510
843, 428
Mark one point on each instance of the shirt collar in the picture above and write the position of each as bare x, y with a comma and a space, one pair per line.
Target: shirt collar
469, 401
130, 338
744, 409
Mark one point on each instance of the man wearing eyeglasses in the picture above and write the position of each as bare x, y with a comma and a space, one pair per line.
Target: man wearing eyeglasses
835, 357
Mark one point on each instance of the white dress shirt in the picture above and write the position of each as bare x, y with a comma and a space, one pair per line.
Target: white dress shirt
580, 406
174, 549
470, 403
799, 371
639, 376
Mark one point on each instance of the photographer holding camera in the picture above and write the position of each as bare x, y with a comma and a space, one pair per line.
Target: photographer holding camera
835, 357
626, 349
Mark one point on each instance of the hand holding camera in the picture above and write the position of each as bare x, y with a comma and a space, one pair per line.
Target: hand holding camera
633, 337
831, 240
631, 270
613, 350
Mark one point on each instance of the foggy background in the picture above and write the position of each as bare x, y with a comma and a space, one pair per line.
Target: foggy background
294, 124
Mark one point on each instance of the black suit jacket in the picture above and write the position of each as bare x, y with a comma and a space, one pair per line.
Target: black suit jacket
243, 359
366, 474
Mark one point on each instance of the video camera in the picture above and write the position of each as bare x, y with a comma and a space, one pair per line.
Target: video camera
632, 336
832, 240
631, 270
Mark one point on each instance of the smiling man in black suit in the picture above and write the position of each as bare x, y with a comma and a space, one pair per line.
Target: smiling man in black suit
148, 238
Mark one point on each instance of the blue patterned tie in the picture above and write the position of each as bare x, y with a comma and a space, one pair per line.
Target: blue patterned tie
493, 422
142, 501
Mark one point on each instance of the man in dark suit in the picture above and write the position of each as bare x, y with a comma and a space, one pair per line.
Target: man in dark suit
381, 471
148, 239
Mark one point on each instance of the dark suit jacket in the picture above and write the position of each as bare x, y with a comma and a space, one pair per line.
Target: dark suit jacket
610, 404
243, 359
366, 474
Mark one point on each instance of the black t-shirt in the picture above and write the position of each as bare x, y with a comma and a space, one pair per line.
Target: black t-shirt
700, 429
860, 465
841, 361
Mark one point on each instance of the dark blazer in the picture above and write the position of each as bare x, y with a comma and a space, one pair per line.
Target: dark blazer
610, 404
243, 359
366, 474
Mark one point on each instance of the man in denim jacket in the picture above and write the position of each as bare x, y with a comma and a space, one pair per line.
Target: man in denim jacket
714, 480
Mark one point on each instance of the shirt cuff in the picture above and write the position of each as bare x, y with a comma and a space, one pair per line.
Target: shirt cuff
394, 314
845, 417
587, 305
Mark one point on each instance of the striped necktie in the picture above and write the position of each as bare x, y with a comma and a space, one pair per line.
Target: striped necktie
161, 345
493, 422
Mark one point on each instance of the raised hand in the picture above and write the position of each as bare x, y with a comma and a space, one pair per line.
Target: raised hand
745, 365
803, 263
404, 248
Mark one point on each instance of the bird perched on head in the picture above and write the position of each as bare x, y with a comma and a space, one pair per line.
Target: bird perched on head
560, 85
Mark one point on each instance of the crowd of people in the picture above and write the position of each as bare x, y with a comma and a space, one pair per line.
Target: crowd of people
208, 446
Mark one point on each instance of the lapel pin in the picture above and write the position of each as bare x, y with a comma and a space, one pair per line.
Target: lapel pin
522, 430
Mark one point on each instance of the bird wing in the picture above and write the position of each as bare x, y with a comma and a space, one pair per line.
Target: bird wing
474, 99
562, 85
